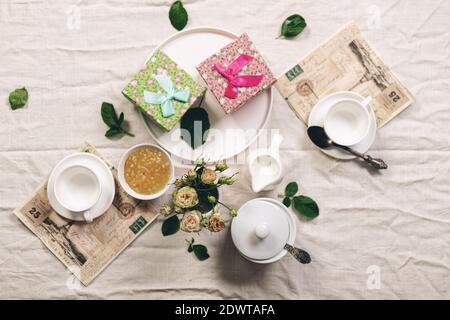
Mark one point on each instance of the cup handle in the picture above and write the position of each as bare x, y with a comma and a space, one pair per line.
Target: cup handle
88, 216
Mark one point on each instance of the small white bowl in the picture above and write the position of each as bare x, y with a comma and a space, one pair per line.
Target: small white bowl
127, 188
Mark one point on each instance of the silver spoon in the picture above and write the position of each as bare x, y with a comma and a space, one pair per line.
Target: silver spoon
319, 137
301, 255
262, 231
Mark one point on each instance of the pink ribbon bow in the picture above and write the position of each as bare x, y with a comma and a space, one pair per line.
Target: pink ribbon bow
235, 81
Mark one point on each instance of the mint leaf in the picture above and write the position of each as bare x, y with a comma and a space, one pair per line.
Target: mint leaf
170, 226
108, 114
178, 15
121, 118
291, 189
110, 118
293, 26
200, 251
112, 132
306, 206
287, 202
18, 98
190, 245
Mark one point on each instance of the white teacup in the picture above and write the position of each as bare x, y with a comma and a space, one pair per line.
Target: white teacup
77, 188
347, 122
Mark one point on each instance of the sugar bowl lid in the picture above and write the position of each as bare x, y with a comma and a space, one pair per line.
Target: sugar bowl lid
262, 228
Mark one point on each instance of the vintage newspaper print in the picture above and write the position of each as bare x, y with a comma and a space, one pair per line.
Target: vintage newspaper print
87, 248
346, 62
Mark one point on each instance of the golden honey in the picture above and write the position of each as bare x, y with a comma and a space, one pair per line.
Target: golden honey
147, 170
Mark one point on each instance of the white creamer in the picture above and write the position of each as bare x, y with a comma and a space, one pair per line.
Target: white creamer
265, 167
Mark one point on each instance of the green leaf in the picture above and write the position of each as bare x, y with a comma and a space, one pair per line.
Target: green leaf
287, 202
306, 206
121, 118
178, 15
109, 115
293, 26
200, 251
110, 118
113, 132
170, 226
18, 98
190, 246
291, 189
195, 127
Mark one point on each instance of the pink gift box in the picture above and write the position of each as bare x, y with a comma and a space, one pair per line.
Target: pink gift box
251, 63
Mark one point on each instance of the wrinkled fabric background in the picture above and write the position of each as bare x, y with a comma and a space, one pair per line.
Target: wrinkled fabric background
393, 226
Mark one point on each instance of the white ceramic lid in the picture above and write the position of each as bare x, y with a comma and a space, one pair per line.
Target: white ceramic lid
261, 229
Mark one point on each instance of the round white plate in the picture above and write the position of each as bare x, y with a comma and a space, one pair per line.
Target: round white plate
106, 180
319, 111
230, 134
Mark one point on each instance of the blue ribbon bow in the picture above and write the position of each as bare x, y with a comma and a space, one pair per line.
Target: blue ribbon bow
165, 99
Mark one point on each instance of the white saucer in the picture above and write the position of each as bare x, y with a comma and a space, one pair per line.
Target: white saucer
106, 180
319, 111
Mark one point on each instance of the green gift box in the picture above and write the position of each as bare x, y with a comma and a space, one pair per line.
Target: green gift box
164, 91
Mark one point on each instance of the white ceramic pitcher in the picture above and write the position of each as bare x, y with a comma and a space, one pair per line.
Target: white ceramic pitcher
265, 166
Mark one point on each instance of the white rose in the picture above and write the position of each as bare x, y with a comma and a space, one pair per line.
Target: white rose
185, 197
216, 223
191, 221
208, 176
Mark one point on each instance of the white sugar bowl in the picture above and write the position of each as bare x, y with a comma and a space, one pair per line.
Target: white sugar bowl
264, 231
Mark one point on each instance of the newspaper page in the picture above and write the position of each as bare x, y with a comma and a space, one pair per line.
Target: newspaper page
346, 62
87, 248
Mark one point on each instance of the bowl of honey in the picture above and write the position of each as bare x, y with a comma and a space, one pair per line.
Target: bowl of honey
145, 171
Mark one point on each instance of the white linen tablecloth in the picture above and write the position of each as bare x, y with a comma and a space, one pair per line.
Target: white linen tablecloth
393, 227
